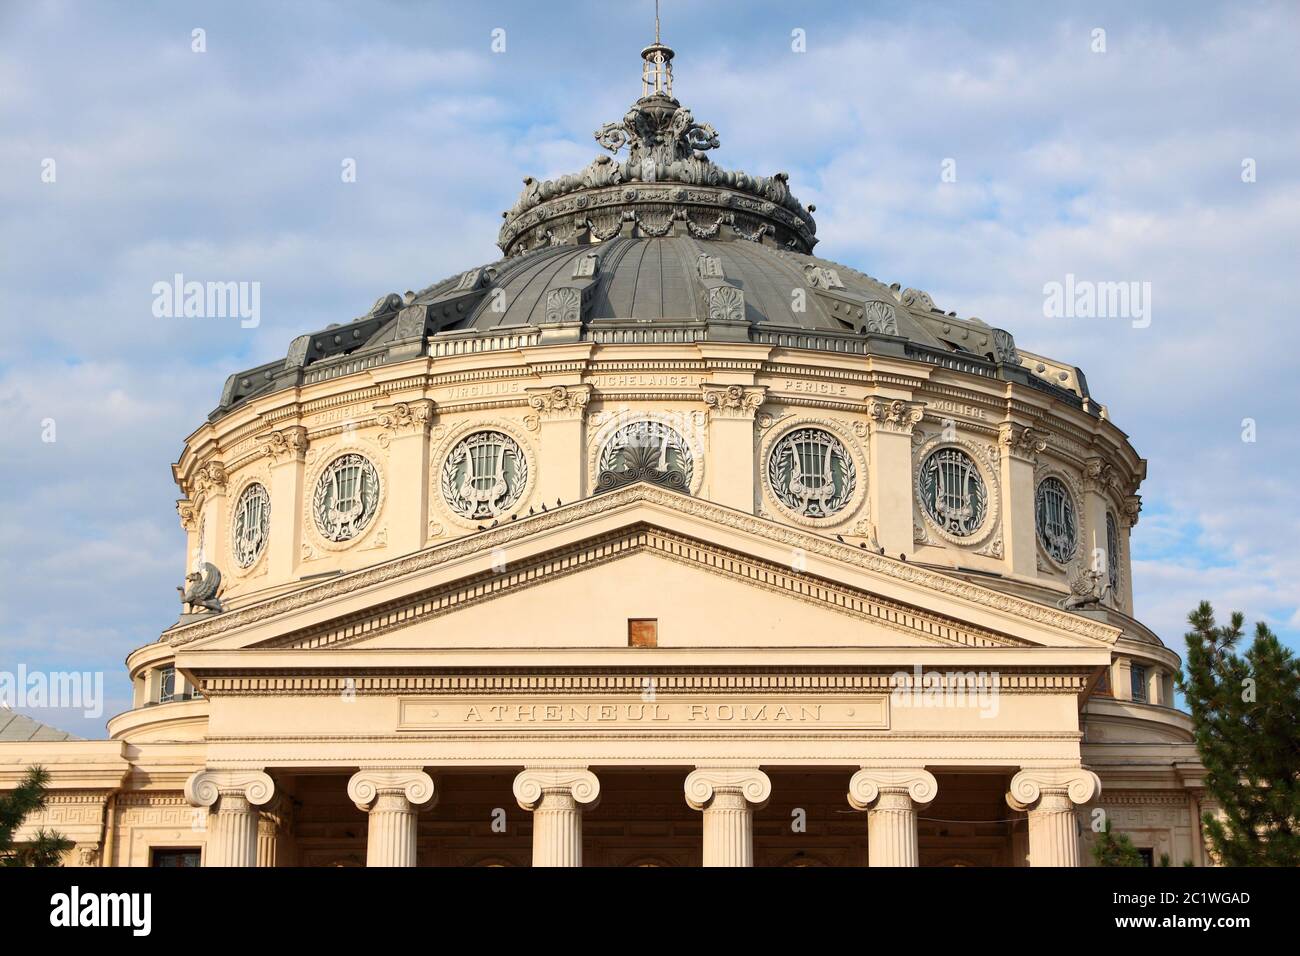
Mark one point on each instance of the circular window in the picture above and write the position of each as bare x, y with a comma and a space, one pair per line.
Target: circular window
484, 474
645, 451
347, 497
251, 525
811, 473
1054, 515
953, 492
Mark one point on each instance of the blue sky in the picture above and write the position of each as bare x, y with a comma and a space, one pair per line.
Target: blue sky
1123, 165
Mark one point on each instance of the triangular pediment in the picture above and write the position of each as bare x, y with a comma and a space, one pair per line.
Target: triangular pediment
712, 577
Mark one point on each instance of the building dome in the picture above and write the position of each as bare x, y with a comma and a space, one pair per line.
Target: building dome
662, 246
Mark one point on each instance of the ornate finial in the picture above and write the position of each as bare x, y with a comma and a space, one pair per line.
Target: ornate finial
657, 70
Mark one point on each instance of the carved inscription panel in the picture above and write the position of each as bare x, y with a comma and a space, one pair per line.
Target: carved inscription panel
624, 713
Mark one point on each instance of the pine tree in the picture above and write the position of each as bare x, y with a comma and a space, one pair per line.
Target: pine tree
47, 847
1246, 710
1110, 849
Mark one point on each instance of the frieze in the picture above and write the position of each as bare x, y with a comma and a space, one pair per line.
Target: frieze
485, 713
816, 388
482, 389
946, 406
334, 416
649, 380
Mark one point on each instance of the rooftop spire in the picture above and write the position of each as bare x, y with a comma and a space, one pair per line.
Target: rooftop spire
657, 70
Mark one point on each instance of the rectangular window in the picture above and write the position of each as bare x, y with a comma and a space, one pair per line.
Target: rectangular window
175, 856
1103, 684
642, 632
1148, 855
1138, 682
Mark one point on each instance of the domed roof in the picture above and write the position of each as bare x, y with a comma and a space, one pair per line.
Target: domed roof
661, 247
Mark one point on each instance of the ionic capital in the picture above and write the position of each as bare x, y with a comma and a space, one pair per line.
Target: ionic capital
704, 783
869, 783
894, 415
211, 478
1132, 508
412, 417
559, 402
733, 401
188, 513
577, 782
288, 444
366, 785
1030, 785
1098, 475
205, 787
1022, 441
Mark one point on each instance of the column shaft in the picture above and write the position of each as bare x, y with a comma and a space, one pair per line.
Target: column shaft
557, 830
232, 832
728, 830
1053, 831
391, 834
891, 831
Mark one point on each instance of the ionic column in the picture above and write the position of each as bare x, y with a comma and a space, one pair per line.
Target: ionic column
1050, 796
891, 795
556, 797
392, 798
728, 796
273, 824
232, 797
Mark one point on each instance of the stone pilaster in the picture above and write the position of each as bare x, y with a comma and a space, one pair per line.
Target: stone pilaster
556, 796
890, 425
287, 449
232, 798
891, 796
558, 414
728, 797
1050, 795
1098, 478
1128, 518
732, 409
1021, 445
391, 797
405, 433
208, 489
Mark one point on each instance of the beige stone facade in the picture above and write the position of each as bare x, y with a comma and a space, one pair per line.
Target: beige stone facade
428, 693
